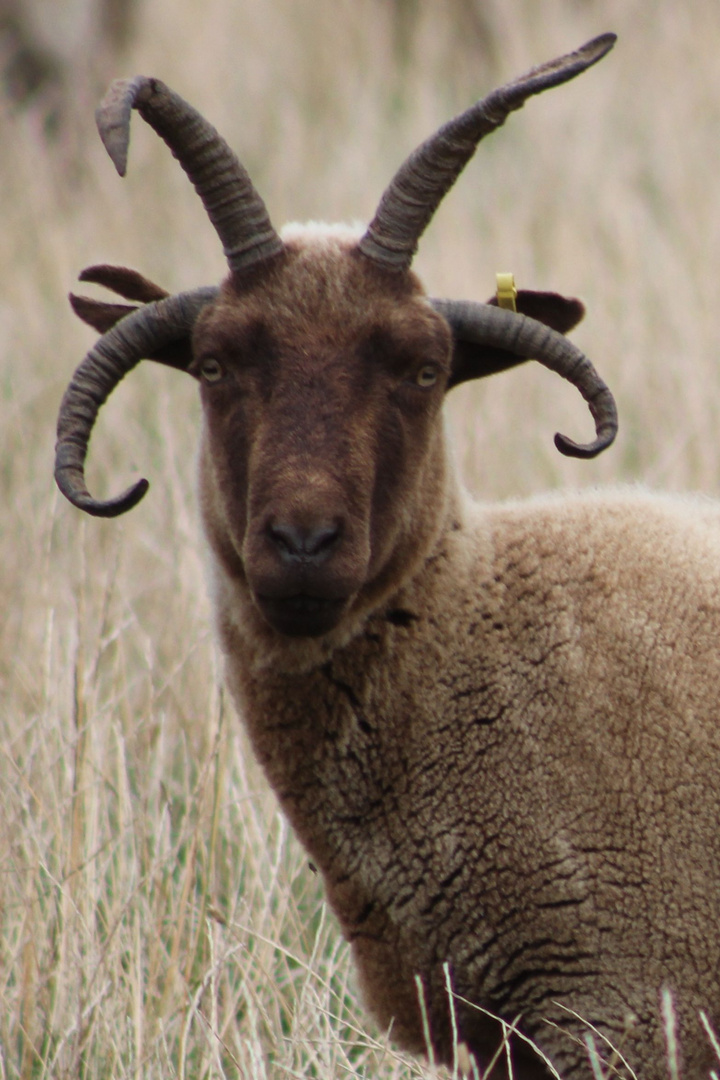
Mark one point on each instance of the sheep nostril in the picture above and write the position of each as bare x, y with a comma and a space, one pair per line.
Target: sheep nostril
296, 543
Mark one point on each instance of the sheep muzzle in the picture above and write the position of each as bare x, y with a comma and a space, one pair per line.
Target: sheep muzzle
304, 568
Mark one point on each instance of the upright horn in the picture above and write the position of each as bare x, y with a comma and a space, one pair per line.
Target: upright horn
233, 205
427, 175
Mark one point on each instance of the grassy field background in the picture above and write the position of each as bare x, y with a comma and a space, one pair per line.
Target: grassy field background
156, 918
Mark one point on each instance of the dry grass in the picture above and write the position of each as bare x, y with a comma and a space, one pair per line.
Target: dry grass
155, 917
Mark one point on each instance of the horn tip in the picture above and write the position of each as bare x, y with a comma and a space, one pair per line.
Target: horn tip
124, 502
109, 508
112, 118
569, 448
115, 141
599, 46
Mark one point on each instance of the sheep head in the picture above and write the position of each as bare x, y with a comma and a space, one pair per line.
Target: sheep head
322, 366
321, 396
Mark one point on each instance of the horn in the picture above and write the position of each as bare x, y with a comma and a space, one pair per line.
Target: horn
484, 324
427, 175
111, 358
232, 203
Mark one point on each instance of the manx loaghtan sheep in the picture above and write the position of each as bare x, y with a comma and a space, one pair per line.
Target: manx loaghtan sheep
492, 727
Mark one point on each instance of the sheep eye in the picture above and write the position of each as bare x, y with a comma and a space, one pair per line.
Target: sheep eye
211, 370
426, 376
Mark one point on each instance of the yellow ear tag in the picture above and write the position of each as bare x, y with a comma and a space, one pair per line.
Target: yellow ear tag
506, 291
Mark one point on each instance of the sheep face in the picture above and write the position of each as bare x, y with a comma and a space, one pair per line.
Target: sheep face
322, 463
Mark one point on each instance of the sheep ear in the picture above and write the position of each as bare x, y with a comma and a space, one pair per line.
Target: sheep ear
472, 361
102, 316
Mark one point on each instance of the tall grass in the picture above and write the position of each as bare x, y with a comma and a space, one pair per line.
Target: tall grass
156, 919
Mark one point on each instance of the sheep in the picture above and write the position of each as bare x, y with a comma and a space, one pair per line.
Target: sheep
492, 727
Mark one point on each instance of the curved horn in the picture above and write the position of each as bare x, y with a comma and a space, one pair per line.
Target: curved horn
232, 204
427, 175
519, 334
110, 359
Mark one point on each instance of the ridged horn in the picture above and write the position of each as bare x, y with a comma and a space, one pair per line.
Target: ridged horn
427, 175
233, 205
110, 359
523, 336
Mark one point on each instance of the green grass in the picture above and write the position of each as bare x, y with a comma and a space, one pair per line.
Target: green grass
156, 917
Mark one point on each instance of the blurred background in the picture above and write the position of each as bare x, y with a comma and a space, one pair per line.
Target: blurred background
155, 917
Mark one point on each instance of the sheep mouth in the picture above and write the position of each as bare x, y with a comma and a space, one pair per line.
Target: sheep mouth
302, 615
